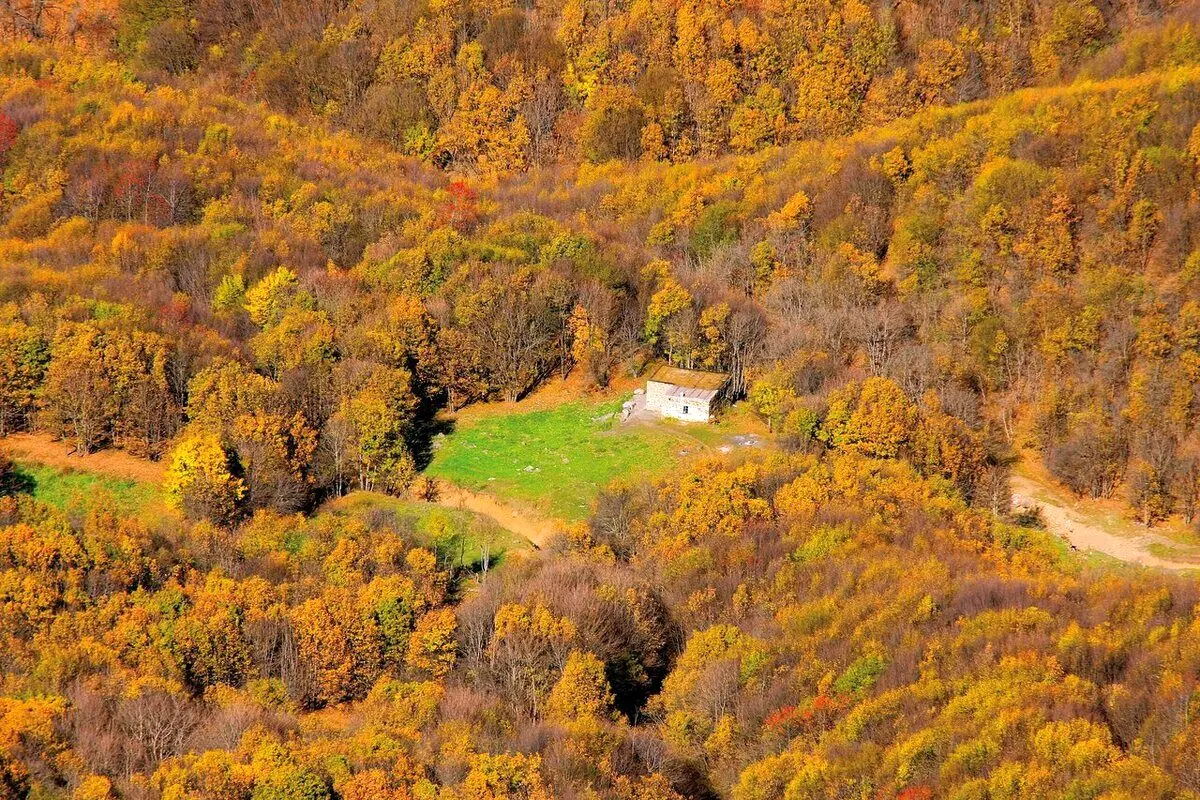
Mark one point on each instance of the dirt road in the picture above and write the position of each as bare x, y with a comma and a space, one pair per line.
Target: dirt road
538, 530
1072, 524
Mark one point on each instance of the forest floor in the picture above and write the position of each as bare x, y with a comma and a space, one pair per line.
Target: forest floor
1101, 525
45, 449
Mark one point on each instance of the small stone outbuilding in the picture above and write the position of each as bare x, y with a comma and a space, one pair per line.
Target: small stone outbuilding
685, 394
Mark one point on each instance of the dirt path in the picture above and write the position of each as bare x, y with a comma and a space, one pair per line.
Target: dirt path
1072, 524
43, 449
538, 530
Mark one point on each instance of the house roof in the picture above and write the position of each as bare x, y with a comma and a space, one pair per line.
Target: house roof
687, 393
689, 378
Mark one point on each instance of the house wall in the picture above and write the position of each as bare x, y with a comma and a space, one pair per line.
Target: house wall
656, 395
696, 410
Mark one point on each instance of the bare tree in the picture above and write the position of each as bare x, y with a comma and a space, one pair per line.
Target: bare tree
34, 19
879, 330
157, 724
745, 331
992, 490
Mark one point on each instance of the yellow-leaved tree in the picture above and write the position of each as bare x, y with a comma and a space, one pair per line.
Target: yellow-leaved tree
581, 691
200, 480
876, 419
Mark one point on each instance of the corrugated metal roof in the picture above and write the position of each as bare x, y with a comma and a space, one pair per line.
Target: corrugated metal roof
689, 378
687, 393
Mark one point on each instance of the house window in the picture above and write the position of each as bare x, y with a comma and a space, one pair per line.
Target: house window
685, 409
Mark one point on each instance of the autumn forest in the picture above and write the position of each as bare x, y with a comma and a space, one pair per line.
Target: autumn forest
316, 322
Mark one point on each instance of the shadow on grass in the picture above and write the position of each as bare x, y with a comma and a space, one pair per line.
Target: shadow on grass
472, 555
426, 433
17, 481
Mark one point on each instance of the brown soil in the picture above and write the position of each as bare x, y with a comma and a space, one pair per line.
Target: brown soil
1087, 527
43, 448
538, 530
553, 393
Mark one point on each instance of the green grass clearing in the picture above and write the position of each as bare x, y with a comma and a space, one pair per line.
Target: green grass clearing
1172, 553
459, 537
556, 460
72, 491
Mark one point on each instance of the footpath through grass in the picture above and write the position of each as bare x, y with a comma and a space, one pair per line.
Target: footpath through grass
459, 536
558, 459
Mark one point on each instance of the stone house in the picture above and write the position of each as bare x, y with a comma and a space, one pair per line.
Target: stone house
685, 394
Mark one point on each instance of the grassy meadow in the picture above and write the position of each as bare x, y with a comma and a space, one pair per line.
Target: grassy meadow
558, 459
74, 491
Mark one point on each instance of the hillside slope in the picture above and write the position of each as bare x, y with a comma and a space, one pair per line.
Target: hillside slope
209, 265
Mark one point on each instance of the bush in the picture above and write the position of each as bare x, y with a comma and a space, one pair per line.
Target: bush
1090, 461
613, 127
718, 226
170, 46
